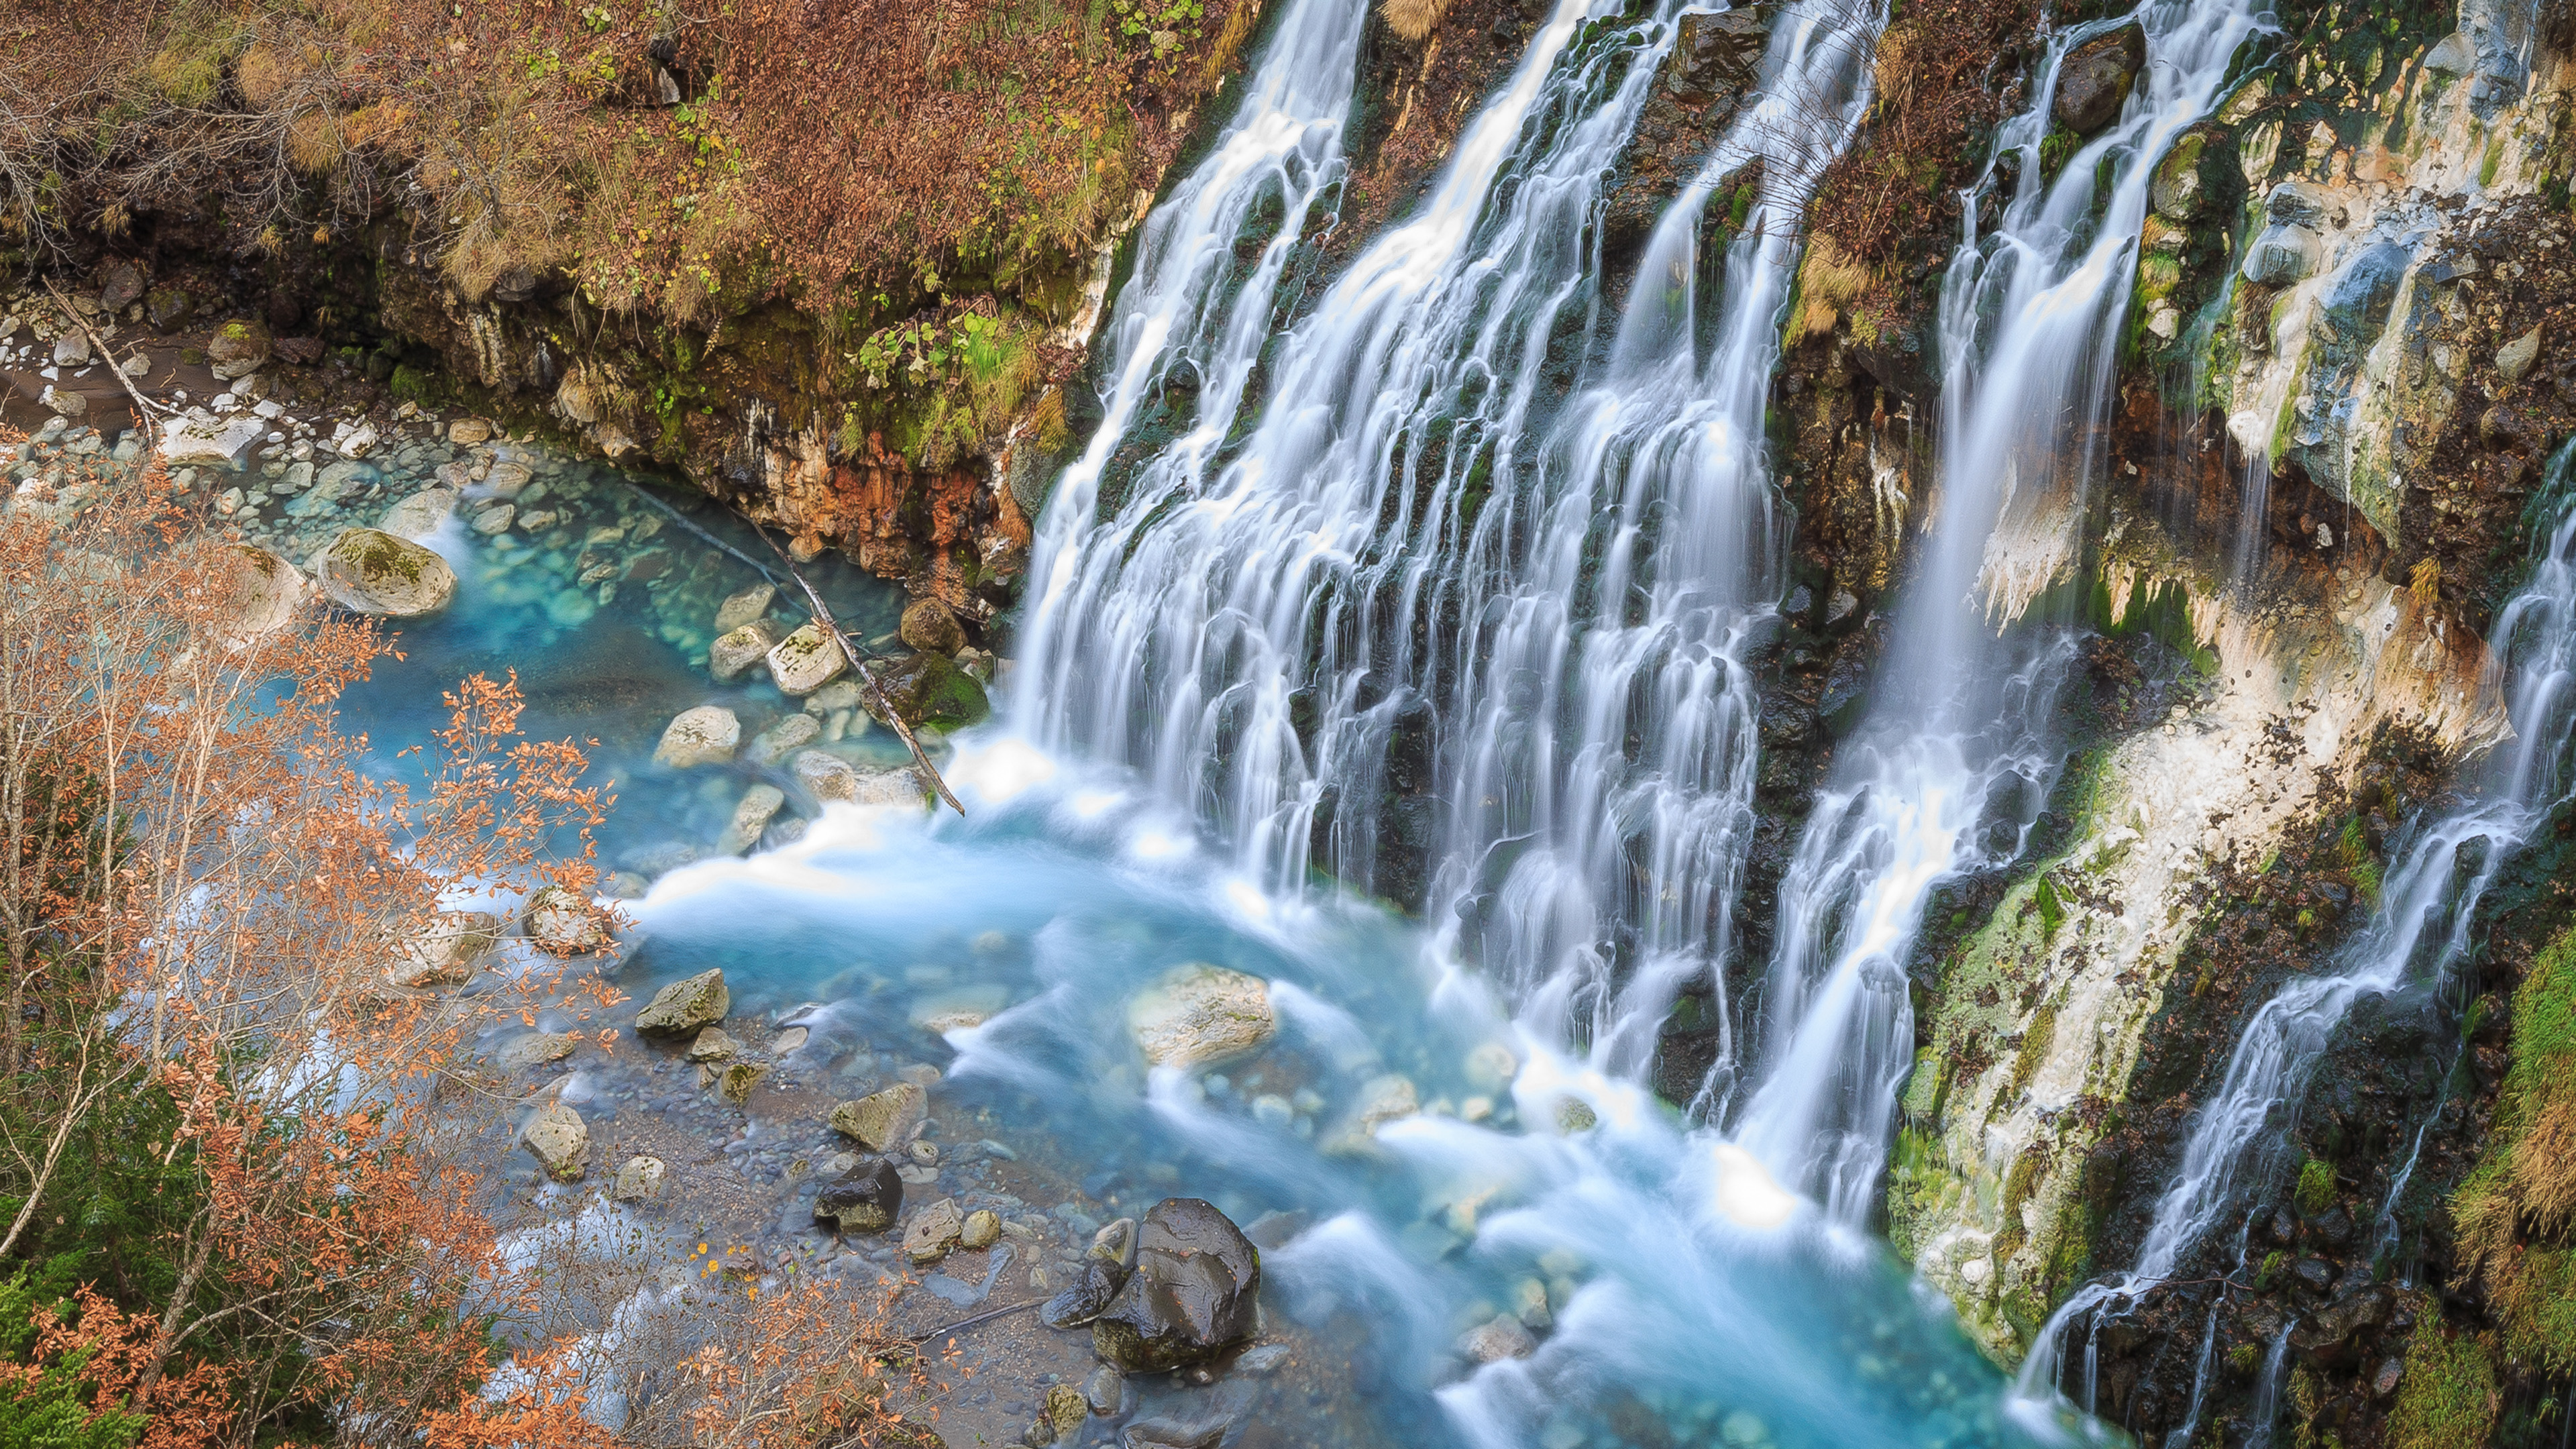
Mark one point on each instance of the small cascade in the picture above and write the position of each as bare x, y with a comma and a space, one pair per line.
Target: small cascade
2418, 934
1953, 763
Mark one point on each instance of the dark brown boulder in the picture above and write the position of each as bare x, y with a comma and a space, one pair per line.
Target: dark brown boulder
2094, 82
865, 1199
1191, 1296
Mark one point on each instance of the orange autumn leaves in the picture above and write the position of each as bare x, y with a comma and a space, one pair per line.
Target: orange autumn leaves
202, 883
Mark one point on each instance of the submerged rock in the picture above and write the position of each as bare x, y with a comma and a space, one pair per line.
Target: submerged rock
866, 1198
713, 1045
1192, 1295
736, 1082
883, 1120
686, 1006
419, 515
369, 571
745, 607
537, 1048
560, 1140
737, 650
1200, 1014
774, 743
759, 804
1504, 1337
705, 735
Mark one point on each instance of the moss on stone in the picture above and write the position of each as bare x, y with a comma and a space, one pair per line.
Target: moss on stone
2448, 1397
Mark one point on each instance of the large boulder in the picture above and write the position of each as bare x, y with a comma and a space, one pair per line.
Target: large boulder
1192, 1295
560, 1140
239, 348
1200, 1014
930, 689
2094, 82
865, 1199
683, 1008
565, 922
369, 571
883, 1121
706, 735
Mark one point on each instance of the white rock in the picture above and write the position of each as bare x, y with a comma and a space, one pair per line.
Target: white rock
706, 735
740, 609
419, 515
359, 441
774, 743
805, 661
195, 442
472, 430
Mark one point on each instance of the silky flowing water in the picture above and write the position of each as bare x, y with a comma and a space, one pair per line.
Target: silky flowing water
1446, 515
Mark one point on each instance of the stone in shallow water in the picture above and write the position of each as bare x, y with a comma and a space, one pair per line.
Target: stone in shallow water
445, 951
736, 1082
1094, 1287
774, 743
266, 591
864, 1198
805, 661
930, 627
1200, 1014
419, 515
738, 649
640, 1180
560, 1140
1191, 1297
705, 735
933, 1231
883, 1120
983, 1229
684, 1007
751, 605
1500, 1339
713, 1045
537, 1048
564, 923
373, 572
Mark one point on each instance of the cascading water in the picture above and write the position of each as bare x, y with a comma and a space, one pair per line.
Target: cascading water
1237, 621
2420, 931
1951, 767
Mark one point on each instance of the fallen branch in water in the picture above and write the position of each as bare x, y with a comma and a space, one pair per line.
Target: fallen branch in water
72, 315
971, 1320
831, 626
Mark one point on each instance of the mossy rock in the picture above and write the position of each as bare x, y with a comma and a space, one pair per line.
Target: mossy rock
413, 384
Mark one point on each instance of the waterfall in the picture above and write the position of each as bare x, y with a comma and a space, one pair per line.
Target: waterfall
1246, 618
2417, 934
1951, 767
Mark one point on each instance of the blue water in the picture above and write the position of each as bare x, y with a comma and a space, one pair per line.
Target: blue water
1687, 1300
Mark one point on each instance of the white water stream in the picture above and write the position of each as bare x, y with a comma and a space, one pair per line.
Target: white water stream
1953, 763
2420, 931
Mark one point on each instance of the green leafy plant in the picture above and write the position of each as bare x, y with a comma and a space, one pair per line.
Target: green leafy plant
2316, 1190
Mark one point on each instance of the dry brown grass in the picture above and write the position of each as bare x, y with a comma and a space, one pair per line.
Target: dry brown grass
1830, 281
1413, 19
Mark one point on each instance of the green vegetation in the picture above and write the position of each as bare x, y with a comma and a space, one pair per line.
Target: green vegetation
2316, 1190
2516, 1209
2448, 1397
